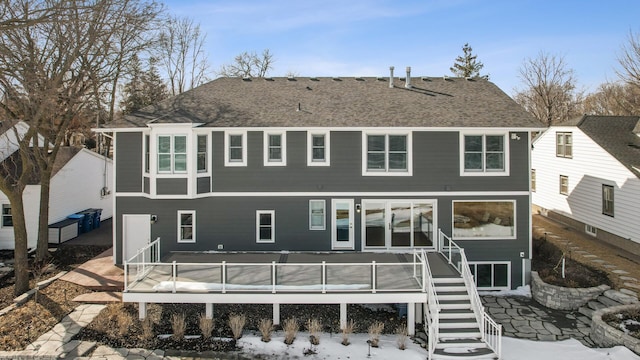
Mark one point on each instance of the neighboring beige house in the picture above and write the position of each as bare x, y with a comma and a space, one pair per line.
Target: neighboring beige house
586, 173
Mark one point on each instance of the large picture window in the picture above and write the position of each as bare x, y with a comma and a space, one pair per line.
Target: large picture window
564, 144
186, 226
484, 219
265, 226
172, 154
607, 200
484, 154
387, 154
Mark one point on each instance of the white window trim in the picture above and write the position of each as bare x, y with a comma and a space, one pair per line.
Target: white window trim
515, 222
327, 148
172, 154
265, 148
386, 172
273, 226
324, 215
560, 185
508, 263
207, 169
193, 225
564, 135
227, 134
146, 150
534, 180
591, 230
613, 199
484, 172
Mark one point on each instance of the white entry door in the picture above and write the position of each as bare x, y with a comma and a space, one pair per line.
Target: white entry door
136, 233
342, 224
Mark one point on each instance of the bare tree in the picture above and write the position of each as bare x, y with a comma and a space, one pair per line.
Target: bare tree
629, 61
550, 89
180, 50
49, 71
613, 99
248, 65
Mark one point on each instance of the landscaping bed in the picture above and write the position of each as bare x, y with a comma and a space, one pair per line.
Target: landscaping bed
547, 261
627, 321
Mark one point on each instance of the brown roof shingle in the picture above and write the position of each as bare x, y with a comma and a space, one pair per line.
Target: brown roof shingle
338, 102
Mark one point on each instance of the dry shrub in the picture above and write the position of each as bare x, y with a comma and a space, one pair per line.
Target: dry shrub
237, 323
375, 330
403, 334
314, 326
206, 325
348, 329
124, 322
290, 327
266, 328
147, 328
178, 325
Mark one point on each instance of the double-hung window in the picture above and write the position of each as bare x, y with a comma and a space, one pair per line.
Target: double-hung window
172, 154
235, 150
147, 150
386, 154
484, 154
202, 153
607, 200
275, 148
317, 214
186, 226
7, 218
564, 144
265, 226
318, 148
564, 185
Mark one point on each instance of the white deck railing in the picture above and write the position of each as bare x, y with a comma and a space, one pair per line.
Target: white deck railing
490, 330
143, 260
432, 314
276, 277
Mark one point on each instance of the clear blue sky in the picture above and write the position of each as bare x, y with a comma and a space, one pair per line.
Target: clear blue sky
365, 37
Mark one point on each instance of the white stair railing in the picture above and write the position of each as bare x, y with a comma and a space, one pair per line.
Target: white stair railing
143, 260
490, 330
432, 314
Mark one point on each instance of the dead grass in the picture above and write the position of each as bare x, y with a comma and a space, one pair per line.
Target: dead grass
266, 328
206, 325
178, 325
403, 335
314, 327
290, 327
627, 321
375, 330
346, 331
237, 323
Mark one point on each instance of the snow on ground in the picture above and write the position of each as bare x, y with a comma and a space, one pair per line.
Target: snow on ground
331, 348
519, 291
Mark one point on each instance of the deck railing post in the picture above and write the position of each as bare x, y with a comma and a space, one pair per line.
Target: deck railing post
273, 277
174, 273
324, 277
224, 277
373, 277
126, 277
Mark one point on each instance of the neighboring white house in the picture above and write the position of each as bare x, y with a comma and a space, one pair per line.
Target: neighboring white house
586, 173
80, 181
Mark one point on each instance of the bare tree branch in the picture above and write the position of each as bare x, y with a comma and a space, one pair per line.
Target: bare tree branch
248, 65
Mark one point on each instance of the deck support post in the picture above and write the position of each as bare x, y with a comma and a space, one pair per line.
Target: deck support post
142, 310
411, 318
209, 310
276, 314
419, 313
343, 315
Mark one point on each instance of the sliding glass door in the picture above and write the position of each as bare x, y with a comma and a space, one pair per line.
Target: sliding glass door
393, 224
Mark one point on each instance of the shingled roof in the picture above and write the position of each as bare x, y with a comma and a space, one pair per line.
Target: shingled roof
338, 102
615, 134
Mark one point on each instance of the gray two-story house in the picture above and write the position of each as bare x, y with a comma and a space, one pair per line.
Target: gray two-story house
394, 167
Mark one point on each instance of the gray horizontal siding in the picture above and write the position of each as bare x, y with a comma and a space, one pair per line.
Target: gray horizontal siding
436, 167
203, 184
128, 162
171, 186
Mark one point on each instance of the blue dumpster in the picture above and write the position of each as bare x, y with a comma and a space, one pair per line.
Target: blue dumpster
82, 224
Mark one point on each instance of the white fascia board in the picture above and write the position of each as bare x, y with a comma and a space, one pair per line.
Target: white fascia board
350, 128
279, 298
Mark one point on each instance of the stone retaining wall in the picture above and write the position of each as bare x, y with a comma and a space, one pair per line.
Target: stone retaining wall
562, 298
606, 336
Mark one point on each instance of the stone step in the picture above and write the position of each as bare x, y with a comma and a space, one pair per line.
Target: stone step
629, 292
620, 297
607, 301
78, 349
588, 312
596, 305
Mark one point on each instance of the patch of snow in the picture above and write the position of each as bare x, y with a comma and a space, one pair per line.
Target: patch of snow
484, 230
203, 286
519, 291
571, 349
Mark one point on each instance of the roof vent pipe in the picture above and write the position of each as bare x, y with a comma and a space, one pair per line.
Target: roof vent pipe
407, 84
391, 77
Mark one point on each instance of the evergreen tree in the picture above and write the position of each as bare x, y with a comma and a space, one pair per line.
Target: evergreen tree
467, 65
145, 87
